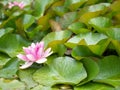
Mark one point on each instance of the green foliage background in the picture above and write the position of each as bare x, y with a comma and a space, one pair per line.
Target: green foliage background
85, 38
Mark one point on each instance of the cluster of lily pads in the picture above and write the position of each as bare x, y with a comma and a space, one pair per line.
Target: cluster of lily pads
65, 45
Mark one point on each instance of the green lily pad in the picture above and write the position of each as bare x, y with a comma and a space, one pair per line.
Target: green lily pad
94, 86
91, 2
109, 71
40, 87
116, 44
100, 47
10, 69
89, 38
11, 85
26, 77
99, 23
58, 47
28, 20
12, 44
74, 4
5, 31
98, 7
61, 35
60, 10
92, 11
115, 6
114, 33
95, 8
40, 6
34, 33
78, 28
61, 70
92, 69
81, 51
3, 60
67, 19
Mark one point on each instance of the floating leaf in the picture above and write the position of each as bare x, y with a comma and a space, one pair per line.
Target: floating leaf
11, 44
10, 69
116, 45
5, 31
67, 19
95, 8
61, 35
58, 47
28, 20
3, 59
78, 28
10, 22
91, 2
26, 77
44, 21
92, 69
109, 71
87, 16
81, 51
40, 7
100, 47
61, 70
60, 10
40, 87
94, 86
11, 85
99, 23
114, 33
115, 6
32, 34
74, 4
89, 38
92, 11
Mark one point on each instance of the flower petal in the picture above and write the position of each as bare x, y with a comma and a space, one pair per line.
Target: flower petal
33, 45
22, 57
26, 65
21, 5
29, 50
47, 52
42, 60
16, 3
41, 44
10, 5
40, 50
31, 57
26, 50
33, 49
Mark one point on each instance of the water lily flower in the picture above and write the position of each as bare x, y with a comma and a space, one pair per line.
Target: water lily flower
19, 4
34, 53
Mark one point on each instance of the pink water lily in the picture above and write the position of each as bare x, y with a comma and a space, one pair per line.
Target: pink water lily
19, 4
34, 53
